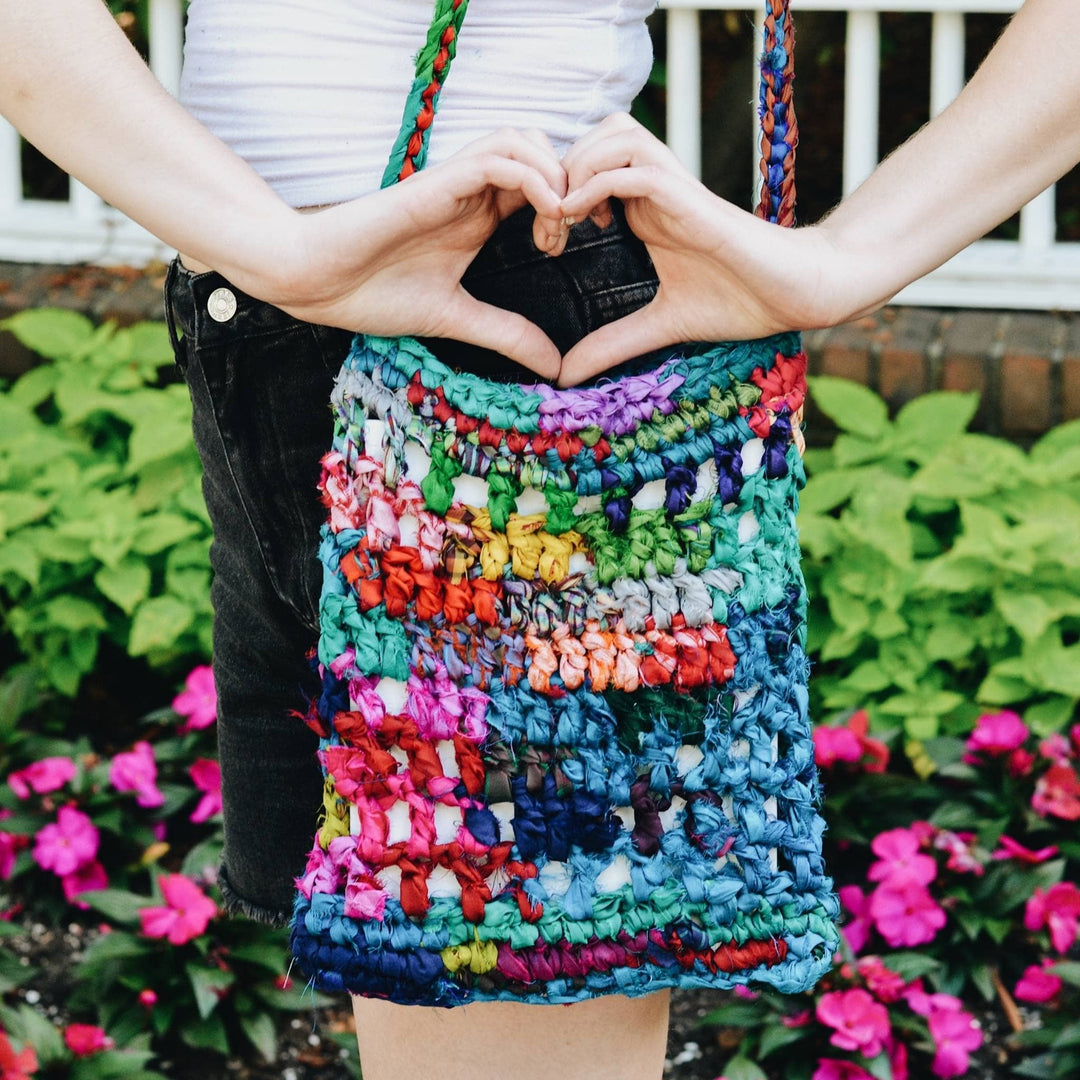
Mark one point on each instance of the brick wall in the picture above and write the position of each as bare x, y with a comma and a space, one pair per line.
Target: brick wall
1025, 365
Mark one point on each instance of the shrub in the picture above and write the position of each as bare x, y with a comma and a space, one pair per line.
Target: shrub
103, 531
942, 566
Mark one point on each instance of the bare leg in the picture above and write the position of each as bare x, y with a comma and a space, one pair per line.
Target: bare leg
607, 1038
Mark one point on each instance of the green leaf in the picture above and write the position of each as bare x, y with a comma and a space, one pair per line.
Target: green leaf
1046, 717
1068, 971
736, 1014
776, 1037
126, 584
207, 1033
927, 421
74, 614
266, 954
826, 491
910, 965
261, 1030
160, 531
19, 508
29, 1026
118, 904
158, 624
210, 986
55, 333
19, 558
112, 1064
850, 406
1028, 612
741, 1068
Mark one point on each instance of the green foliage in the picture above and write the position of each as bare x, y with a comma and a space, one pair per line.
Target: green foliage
103, 531
942, 566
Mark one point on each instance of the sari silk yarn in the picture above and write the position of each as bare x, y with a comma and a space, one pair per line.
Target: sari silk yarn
564, 714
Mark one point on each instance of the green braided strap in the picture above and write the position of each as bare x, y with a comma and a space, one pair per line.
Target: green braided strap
432, 65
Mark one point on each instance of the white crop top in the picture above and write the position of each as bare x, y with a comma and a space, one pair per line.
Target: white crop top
311, 92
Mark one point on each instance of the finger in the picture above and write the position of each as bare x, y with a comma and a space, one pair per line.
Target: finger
504, 332
615, 123
631, 182
639, 332
623, 149
471, 175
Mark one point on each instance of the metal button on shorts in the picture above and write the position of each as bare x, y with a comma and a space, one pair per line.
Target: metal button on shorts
221, 305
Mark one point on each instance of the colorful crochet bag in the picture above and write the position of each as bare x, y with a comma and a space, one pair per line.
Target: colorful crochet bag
564, 713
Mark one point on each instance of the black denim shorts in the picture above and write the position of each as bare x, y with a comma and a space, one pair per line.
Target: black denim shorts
260, 385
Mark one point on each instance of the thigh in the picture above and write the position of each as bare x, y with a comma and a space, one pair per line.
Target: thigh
607, 1038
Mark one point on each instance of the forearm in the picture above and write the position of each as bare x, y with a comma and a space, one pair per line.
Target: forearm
76, 89
1014, 130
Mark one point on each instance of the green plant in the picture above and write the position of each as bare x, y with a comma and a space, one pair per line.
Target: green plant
103, 531
942, 565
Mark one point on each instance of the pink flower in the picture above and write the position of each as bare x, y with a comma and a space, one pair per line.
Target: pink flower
906, 915
1012, 849
746, 993
899, 859
147, 998
837, 1069
1056, 748
882, 982
86, 1039
86, 878
960, 847
206, 776
898, 1059
996, 733
1058, 909
1021, 762
136, 771
48, 774
8, 848
68, 844
956, 1034
1057, 792
1038, 985
198, 700
20, 1066
850, 742
861, 1023
187, 915
856, 930
797, 1019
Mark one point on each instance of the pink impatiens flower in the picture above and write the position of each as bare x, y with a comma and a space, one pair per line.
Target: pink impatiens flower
86, 878
198, 700
906, 914
136, 771
1038, 985
1058, 909
1013, 849
850, 742
838, 1069
996, 733
881, 981
1057, 792
856, 930
860, 1022
68, 844
955, 1033
41, 777
187, 915
7, 854
86, 1039
16, 1066
206, 776
899, 860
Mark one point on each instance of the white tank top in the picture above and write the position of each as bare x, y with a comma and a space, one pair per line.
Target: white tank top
311, 92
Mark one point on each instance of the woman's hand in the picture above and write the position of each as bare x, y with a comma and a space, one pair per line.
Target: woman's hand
391, 262
724, 274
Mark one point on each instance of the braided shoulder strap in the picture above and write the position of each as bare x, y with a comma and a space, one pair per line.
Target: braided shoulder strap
779, 128
776, 107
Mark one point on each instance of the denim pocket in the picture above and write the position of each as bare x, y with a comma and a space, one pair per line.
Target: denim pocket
268, 395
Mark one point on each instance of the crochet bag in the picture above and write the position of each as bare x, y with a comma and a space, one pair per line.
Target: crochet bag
564, 720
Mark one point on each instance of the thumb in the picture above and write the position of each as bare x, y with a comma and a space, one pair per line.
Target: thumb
504, 332
633, 335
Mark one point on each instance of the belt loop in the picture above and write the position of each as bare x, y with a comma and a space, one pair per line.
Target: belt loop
170, 320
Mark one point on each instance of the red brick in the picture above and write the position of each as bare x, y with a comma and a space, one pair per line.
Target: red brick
970, 341
1070, 372
1029, 404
